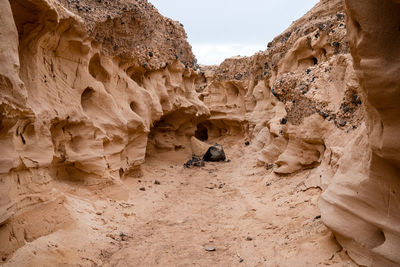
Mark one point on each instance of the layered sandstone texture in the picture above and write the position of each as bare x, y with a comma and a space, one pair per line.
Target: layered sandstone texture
308, 103
299, 100
82, 83
362, 204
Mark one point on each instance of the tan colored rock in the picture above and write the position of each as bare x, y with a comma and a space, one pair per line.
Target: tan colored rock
306, 72
199, 148
361, 205
82, 84
305, 147
310, 72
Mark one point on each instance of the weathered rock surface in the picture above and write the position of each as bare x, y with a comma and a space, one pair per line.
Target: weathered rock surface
308, 103
82, 84
215, 153
89, 88
198, 147
296, 99
362, 204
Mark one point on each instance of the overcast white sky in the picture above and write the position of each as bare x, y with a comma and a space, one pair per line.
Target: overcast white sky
218, 29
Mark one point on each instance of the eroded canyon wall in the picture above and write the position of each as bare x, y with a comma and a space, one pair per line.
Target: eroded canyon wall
325, 96
298, 100
82, 84
362, 204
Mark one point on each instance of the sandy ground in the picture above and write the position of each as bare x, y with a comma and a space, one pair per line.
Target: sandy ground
250, 216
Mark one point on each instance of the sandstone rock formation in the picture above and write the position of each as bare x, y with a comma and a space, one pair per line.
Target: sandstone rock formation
296, 98
82, 85
304, 108
90, 88
362, 204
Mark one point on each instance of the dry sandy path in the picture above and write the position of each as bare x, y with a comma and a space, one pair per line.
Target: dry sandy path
227, 206
250, 216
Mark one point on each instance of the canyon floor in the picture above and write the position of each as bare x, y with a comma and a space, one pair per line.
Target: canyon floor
248, 214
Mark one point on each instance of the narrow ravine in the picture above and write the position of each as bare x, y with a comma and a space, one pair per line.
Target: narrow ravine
102, 103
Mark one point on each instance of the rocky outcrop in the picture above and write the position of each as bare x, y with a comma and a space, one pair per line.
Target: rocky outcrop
82, 84
307, 103
362, 204
296, 98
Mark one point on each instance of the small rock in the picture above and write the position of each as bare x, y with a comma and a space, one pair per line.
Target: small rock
249, 238
241, 260
324, 115
356, 99
195, 161
336, 44
268, 184
274, 93
317, 217
4, 258
346, 108
283, 121
157, 182
269, 166
215, 153
342, 123
340, 16
199, 163
99, 213
322, 26
247, 143
142, 189
209, 248
238, 76
150, 54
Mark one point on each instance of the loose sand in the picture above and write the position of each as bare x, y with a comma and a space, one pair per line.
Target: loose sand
248, 214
